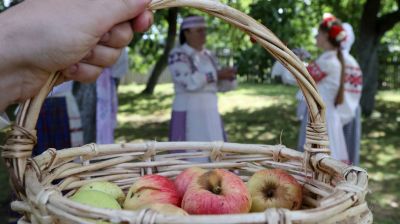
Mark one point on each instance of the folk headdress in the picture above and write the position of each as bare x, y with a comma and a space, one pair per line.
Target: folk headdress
334, 28
193, 22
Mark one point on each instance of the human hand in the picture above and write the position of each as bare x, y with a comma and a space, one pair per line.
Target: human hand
77, 37
228, 73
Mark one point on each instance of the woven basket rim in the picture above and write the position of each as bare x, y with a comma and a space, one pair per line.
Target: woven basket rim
55, 201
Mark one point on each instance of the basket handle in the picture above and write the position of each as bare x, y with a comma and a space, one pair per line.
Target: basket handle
22, 138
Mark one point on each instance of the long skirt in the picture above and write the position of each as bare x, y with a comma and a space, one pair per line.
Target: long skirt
85, 95
352, 134
53, 129
200, 122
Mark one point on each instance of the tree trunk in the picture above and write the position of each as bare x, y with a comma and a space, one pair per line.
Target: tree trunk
162, 61
372, 28
368, 59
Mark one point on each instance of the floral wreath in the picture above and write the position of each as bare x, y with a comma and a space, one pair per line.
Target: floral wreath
334, 27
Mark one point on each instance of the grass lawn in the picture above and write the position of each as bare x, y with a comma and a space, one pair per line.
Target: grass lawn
266, 114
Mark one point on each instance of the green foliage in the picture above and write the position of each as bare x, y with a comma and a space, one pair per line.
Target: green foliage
292, 21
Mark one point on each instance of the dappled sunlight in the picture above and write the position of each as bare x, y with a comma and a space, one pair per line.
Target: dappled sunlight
390, 96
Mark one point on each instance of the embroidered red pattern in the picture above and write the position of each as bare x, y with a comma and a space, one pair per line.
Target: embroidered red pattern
316, 72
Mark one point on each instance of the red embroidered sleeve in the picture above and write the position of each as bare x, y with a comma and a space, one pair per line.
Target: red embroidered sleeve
316, 72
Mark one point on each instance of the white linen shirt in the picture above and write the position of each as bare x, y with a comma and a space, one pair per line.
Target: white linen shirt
194, 72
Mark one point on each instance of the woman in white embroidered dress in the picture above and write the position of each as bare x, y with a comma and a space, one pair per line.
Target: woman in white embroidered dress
328, 72
350, 110
197, 79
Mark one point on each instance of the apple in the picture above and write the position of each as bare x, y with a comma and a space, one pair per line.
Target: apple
183, 180
274, 188
95, 199
107, 187
151, 189
217, 192
167, 209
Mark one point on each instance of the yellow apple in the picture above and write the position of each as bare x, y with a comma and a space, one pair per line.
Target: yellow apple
274, 188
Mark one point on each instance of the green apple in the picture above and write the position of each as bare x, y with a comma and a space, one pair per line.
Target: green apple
107, 187
96, 199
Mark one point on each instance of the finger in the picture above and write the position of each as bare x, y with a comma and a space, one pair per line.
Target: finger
143, 21
102, 56
118, 11
119, 36
83, 72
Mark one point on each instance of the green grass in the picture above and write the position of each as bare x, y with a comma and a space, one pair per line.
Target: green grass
266, 114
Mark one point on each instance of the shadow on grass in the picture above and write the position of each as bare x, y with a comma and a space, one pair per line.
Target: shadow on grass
380, 155
139, 104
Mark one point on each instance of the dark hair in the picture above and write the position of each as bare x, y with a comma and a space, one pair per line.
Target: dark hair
331, 39
182, 38
340, 95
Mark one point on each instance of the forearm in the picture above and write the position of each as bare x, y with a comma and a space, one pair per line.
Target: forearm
9, 82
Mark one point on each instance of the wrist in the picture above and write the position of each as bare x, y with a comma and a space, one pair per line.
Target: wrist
9, 89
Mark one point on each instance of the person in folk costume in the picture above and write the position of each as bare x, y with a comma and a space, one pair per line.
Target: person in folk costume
328, 71
278, 70
98, 103
197, 79
59, 122
106, 107
350, 110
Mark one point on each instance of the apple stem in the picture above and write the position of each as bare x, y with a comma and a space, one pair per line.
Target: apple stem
216, 190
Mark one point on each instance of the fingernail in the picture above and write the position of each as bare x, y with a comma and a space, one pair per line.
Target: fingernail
105, 37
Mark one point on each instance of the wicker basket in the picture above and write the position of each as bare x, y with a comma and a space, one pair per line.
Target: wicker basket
334, 192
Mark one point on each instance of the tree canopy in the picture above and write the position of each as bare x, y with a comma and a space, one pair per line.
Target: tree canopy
375, 23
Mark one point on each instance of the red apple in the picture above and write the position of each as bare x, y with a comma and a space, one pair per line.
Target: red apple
166, 209
274, 188
183, 180
151, 189
217, 192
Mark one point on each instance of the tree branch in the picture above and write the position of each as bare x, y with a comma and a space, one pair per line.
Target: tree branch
388, 21
372, 7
